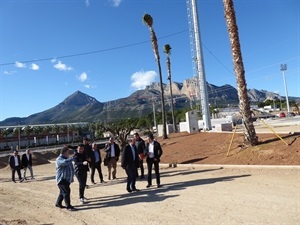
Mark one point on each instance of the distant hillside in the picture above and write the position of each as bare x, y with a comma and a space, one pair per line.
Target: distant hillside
82, 107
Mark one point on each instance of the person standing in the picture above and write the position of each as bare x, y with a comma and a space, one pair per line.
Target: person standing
64, 177
140, 146
15, 165
130, 163
81, 168
153, 151
27, 163
112, 153
96, 163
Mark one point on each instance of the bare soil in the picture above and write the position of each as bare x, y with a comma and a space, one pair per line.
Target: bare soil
204, 188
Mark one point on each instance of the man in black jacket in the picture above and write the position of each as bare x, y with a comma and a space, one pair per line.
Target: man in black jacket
15, 165
130, 163
81, 168
140, 146
27, 163
95, 163
153, 152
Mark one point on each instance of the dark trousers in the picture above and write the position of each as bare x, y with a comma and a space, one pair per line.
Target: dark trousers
150, 163
64, 194
141, 166
82, 178
13, 171
97, 166
131, 178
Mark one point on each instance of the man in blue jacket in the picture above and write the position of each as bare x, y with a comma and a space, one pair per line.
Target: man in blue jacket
64, 177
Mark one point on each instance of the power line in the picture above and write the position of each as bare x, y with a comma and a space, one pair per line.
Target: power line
91, 52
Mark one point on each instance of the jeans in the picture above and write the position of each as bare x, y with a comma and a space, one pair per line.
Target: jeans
64, 193
97, 166
150, 163
81, 177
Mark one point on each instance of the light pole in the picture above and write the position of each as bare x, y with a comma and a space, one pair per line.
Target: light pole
283, 68
19, 137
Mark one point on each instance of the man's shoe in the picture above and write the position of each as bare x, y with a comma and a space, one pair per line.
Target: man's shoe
158, 185
102, 181
149, 185
71, 208
60, 206
22, 180
114, 178
136, 189
14, 181
32, 178
25, 178
93, 182
82, 200
86, 186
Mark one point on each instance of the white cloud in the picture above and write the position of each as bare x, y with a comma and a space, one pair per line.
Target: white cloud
62, 67
116, 3
87, 3
20, 65
53, 60
34, 66
82, 77
87, 86
8, 72
142, 78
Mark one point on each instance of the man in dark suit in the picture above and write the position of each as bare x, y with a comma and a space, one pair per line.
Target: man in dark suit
95, 163
112, 153
153, 152
27, 163
81, 168
15, 165
140, 146
130, 163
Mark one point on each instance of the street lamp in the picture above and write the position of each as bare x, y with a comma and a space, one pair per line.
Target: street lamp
283, 68
19, 137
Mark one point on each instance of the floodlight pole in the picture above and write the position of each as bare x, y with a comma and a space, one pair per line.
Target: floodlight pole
283, 68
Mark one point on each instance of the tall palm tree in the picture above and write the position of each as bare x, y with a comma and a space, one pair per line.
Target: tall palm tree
244, 105
167, 50
148, 20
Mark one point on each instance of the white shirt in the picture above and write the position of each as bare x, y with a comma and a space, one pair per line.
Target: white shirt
16, 161
133, 152
151, 150
112, 150
27, 155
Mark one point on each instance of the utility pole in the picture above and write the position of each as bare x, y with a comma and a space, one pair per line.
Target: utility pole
283, 68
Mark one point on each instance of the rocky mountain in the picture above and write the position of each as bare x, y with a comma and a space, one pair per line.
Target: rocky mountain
82, 107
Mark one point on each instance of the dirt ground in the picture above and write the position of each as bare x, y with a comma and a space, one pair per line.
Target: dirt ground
206, 187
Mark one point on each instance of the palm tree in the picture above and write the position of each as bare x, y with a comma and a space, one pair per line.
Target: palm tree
148, 20
167, 50
37, 130
27, 131
4, 133
244, 105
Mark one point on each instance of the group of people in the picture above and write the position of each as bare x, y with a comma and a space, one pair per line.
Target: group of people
17, 164
87, 157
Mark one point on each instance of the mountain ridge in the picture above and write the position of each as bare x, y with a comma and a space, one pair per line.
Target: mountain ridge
82, 107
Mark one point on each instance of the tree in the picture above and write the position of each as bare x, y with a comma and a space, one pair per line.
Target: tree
148, 20
4, 133
27, 131
167, 50
120, 129
37, 130
244, 105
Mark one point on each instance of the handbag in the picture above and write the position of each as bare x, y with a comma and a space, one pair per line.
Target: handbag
106, 160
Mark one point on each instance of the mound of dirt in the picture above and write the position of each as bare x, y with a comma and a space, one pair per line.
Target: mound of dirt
214, 148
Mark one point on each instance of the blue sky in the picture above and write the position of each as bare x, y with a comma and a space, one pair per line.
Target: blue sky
49, 49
